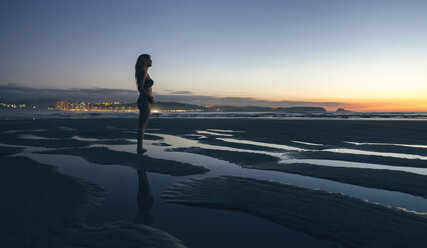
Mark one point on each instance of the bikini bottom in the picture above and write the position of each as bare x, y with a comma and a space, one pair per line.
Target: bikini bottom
142, 101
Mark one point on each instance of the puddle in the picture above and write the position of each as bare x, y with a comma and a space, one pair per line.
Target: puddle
386, 144
383, 154
306, 143
32, 136
225, 131
271, 145
194, 226
214, 133
349, 164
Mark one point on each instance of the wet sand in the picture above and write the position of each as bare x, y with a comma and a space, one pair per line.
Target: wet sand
347, 221
373, 178
43, 208
102, 155
254, 144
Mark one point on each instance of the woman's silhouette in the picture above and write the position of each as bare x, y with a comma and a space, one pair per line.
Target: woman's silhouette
145, 99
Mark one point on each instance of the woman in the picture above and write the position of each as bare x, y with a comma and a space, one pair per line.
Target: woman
145, 99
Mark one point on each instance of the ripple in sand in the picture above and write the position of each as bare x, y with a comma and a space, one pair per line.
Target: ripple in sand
344, 220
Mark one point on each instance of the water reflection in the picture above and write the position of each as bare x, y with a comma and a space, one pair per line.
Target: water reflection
144, 199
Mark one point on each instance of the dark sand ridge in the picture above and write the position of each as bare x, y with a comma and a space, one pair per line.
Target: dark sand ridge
102, 155
347, 221
59, 143
373, 159
91, 141
328, 132
43, 208
47, 143
48, 139
8, 150
83, 128
400, 181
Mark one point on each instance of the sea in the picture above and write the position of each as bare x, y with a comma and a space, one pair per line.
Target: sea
33, 115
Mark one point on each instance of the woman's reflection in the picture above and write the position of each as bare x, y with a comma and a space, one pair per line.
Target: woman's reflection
144, 200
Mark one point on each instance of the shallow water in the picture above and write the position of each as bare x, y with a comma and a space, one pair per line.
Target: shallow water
196, 227
219, 167
32, 136
384, 154
386, 144
263, 144
307, 143
213, 133
349, 164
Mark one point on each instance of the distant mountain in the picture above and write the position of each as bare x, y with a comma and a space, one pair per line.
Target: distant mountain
341, 110
303, 110
44, 104
176, 105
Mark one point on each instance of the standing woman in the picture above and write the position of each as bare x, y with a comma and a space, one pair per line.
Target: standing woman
144, 83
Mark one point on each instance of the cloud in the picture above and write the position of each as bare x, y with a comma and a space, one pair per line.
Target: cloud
13, 92
240, 101
182, 92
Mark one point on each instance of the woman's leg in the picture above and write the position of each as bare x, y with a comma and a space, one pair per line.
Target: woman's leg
144, 114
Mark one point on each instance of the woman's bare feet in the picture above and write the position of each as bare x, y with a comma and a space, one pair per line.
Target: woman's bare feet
141, 151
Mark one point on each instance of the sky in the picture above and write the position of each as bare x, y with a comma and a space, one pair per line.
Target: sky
360, 55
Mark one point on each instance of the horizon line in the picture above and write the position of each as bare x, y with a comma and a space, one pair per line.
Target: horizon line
15, 92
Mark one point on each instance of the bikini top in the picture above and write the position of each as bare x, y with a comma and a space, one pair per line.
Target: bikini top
148, 83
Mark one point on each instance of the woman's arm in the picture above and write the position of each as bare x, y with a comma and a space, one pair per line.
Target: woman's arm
144, 92
141, 83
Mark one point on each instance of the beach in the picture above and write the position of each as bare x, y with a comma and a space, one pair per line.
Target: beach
214, 182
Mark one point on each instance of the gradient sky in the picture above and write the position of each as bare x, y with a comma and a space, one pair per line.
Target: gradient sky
369, 55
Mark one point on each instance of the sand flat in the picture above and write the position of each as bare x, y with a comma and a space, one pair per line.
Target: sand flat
102, 155
9, 150
342, 220
400, 181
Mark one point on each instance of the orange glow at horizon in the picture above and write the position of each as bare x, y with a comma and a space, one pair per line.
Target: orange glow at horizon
404, 105
395, 105
370, 105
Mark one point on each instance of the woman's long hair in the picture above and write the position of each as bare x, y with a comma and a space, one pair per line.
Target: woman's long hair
140, 67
